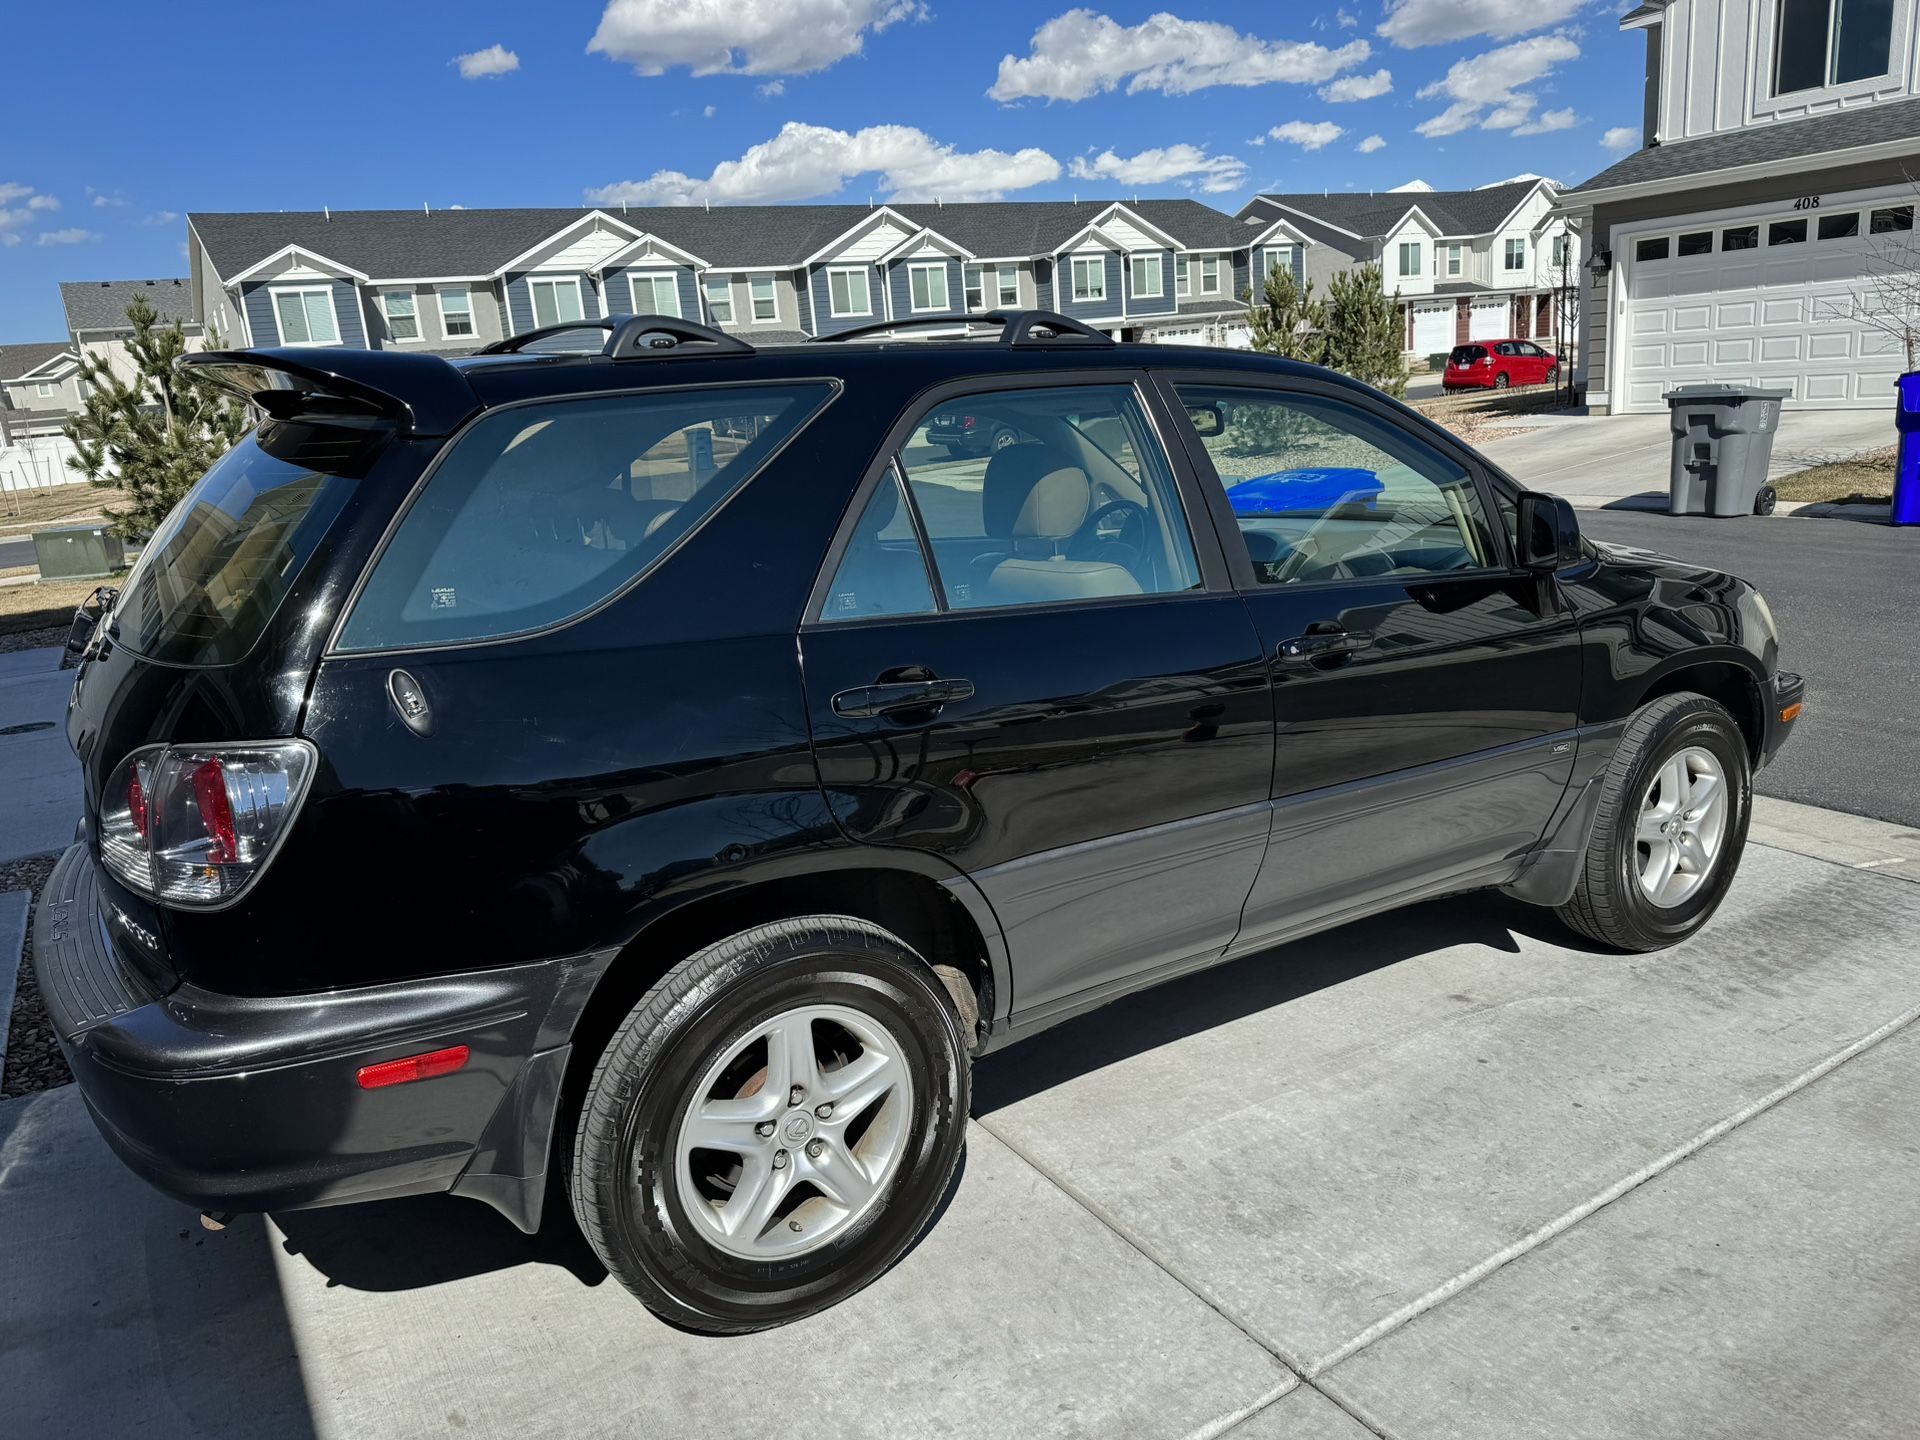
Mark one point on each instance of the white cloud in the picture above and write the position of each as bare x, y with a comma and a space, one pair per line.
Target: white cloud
42, 202
1412, 23
771, 89
102, 199
1371, 144
1083, 52
1486, 89
1547, 121
1621, 138
72, 236
1358, 87
1346, 19
488, 64
709, 112
742, 37
1314, 135
807, 162
1211, 174
161, 217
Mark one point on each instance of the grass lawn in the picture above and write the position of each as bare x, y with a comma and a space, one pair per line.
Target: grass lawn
1865, 478
32, 509
51, 602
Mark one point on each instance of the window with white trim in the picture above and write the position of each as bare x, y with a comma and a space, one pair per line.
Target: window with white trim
973, 280
1147, 274
43, 388
719, 293
456, 312
766, 304
1516, 257
1409, 257
1089, 278
655, 292
556, 299
1456, 259
1182, 277
1210, 275
1007, 292
927, 285
305, 316
403, 314
1830, 42
849, 293
1562, 249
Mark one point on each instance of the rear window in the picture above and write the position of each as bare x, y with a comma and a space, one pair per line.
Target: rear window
1467, 354
540, 512
215, 572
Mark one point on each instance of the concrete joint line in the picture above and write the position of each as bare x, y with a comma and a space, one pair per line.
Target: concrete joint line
1533, 1240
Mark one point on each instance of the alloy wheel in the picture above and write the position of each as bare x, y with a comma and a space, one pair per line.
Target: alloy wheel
1682, 822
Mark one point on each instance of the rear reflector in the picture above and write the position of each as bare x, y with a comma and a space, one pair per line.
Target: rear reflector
413, 1067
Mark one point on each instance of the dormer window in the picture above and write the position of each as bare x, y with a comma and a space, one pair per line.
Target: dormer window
1818, 43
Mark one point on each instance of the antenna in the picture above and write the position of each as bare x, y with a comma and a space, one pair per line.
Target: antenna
425, 209
708, 204
327, 211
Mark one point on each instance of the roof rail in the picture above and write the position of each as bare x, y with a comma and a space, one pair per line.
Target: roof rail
1023, 329
634, 337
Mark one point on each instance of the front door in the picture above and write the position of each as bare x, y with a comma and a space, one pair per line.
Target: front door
1425, 690
1032, 664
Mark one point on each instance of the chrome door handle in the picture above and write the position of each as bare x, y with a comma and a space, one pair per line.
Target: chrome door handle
865, 701
1316, 645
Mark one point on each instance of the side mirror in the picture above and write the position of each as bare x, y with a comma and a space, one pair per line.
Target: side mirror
1549, 533
1207, 420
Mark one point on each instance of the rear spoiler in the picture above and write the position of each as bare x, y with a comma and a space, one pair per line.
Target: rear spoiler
422, 394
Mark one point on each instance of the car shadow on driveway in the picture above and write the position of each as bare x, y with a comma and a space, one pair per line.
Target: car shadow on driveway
1266, 978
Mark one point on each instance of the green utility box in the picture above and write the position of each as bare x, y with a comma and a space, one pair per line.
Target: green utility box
78, 552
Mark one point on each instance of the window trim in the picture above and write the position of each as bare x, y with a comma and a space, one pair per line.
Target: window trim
1210, 287
386, 297
865, 274
707, 284
652, 274
1409, 263
753, 300
1508, 263
1214, 494
1456, 260
579, 294
1216, 578
1159, 263
440, 303
1090, 257
1002, 276
834, 388
1827, 85
929, 267
1183, 277
274, 292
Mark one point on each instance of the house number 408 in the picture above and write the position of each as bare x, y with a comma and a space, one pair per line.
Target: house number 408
1807, 202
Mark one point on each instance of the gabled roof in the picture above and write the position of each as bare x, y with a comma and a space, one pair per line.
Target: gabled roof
102, 304
19, 361
1887, 122
410, 244
1454, 212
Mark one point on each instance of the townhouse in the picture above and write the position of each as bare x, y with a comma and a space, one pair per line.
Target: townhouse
39, 388
453, 280
1466, 264
96, 312
1764, 232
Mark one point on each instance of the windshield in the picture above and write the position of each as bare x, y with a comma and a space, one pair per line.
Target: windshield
216, 570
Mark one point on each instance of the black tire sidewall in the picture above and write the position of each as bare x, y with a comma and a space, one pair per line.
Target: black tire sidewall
656, 1249
1709, 727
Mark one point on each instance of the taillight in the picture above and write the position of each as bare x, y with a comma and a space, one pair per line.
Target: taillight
194, 825
1484, 360
966, 422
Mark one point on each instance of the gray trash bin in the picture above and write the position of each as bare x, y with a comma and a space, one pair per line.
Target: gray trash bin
1722, 443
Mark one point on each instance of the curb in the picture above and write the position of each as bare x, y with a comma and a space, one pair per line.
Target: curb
1851, 840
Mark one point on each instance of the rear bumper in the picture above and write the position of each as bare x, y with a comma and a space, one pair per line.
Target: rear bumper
1783, 693
252, 1103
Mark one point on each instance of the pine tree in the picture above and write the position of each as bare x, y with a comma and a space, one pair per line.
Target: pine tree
155, 436
1286, 318
1365, 333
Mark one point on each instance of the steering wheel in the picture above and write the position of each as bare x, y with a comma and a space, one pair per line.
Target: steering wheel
1128, 544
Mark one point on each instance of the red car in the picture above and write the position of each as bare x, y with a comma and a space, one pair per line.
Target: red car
1497, 364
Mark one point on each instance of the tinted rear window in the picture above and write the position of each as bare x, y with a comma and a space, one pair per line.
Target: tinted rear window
213, 575
540, 512
1467, 354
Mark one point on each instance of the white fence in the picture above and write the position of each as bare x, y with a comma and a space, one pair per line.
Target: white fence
37, 463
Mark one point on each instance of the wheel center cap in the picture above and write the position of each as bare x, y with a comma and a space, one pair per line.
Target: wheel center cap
797, 1128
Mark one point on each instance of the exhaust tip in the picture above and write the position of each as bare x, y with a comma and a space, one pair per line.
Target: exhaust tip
215, 1219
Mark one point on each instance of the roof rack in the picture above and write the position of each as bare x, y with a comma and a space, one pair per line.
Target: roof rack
1023, 329
634, 337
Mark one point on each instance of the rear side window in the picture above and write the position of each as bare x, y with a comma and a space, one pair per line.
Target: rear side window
540, 512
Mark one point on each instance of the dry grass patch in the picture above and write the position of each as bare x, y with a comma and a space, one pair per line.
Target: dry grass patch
50, 602
1864, 479
32, 509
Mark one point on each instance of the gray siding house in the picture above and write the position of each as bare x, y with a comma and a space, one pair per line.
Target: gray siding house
97, 316
39, 388
455, 280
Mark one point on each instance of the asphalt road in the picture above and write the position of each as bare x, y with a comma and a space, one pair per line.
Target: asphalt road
16, 552
1846, 596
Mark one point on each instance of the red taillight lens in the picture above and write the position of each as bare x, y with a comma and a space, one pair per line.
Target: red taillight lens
136, 803
216, 812
966, 422
411, 1068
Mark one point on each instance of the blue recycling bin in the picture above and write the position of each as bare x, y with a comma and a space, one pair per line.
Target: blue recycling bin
1906, 474
1294, 491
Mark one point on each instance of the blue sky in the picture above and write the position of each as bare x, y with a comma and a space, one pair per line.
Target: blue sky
228, 106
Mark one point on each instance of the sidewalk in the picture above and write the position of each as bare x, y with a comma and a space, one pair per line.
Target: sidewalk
42, 798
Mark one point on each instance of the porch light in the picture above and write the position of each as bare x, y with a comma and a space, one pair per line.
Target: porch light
1600, 264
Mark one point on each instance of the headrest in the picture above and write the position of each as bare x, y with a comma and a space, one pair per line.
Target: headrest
1029, 491
881, 509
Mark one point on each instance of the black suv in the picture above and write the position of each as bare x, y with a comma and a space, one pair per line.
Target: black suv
657, 773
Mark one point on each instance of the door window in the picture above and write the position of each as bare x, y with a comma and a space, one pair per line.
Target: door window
1046, 495
882, 571
1323, 490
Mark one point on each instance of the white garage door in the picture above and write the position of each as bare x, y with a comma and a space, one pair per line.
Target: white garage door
1761, 301
1490, 320
1432, 328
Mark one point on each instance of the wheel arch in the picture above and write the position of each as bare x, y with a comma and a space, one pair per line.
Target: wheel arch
1729, 682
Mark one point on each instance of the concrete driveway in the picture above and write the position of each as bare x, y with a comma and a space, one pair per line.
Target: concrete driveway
1606, 460
1444, 1173
41, 796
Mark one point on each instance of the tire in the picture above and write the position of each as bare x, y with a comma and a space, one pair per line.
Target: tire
1764, 502
1611, 902
1502, 380
1553, 375
656, 1212
1002, 438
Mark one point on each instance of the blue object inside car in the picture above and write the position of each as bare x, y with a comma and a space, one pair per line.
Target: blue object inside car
1291, 491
